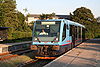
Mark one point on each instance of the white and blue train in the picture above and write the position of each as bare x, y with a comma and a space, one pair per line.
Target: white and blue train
53, 37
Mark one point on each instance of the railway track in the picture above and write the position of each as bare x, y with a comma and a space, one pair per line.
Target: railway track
8, 55
28, 62
36, 63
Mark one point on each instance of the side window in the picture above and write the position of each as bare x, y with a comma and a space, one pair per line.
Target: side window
71, 30
79, 32
75, 32
64, 32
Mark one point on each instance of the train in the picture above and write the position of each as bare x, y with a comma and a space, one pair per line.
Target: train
53, 37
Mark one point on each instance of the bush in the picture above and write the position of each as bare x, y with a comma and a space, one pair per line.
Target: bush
18, 34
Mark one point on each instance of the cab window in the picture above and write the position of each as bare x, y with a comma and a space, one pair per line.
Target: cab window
64, 32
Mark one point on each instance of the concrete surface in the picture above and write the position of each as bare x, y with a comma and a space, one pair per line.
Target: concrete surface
86, 54
4, 47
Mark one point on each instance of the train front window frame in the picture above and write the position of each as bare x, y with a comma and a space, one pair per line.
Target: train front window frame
50, 30
64, 32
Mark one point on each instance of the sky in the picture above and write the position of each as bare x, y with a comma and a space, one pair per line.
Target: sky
61, 7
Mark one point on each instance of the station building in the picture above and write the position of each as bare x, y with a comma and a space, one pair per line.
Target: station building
34, 17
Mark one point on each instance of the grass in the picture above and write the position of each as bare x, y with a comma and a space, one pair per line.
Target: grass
13, 62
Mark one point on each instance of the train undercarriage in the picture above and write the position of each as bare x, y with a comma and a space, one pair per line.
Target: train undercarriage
48, 51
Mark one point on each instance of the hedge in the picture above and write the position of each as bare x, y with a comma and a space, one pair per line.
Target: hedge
18, 34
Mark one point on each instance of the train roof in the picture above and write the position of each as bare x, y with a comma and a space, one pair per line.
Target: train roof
75, 23
68, 21
51, 20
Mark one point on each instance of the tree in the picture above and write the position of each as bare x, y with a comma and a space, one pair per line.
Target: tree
25, 9
47, 16
98, 19
8, 13
84, 16
10, 17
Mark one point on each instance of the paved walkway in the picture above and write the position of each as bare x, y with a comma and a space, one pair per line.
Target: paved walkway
85, 55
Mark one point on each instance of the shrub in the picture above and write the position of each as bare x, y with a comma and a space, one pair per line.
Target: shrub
18, 34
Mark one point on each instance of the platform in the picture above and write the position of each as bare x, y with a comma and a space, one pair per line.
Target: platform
86, 54
4, 48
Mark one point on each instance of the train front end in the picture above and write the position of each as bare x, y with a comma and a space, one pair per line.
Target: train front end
46, 39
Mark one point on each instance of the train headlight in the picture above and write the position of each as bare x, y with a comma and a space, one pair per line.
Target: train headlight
35, 38
56, 39
56, 47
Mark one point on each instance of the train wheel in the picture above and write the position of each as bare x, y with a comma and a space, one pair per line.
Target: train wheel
73, 41
72, 45
66, 49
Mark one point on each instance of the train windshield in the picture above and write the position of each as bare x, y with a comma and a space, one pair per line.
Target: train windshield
47, 31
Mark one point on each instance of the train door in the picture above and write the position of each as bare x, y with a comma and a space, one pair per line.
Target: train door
73, 34
83, 34
66, 38
64, 35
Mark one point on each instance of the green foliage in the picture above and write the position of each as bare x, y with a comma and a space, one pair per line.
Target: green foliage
22, 26
10, 17
98, 19
7, 13
84, 16
25, 10
47, 16
19, 34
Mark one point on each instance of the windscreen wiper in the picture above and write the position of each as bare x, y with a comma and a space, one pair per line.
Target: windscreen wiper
52, 29
38, 39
